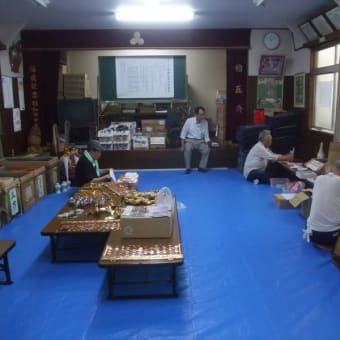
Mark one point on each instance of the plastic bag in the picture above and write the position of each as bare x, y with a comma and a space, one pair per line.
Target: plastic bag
165, 197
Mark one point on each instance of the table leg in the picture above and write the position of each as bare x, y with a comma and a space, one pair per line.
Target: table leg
53, 243
111, 279
7, 271
174, 280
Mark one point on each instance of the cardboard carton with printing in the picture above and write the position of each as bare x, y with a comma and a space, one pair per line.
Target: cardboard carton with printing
292, 200
147, 222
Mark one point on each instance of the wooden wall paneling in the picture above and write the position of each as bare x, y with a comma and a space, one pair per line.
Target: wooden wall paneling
47, 65
166, 38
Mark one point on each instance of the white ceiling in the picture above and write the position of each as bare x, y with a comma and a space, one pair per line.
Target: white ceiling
98, 14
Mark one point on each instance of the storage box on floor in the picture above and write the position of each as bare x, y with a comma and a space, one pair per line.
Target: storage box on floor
291, 200
50, 163
156, 131
10, 200
32, 183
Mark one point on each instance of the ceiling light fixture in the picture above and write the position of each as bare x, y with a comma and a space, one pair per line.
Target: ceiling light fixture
41, 3
259, 3
154, 13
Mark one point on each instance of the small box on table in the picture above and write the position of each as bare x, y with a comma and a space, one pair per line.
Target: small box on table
138, 222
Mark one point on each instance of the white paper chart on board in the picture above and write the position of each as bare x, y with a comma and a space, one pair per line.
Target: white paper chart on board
7, 92
138, 77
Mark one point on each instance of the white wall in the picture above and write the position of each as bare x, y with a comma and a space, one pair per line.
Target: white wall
206, 71
296, 61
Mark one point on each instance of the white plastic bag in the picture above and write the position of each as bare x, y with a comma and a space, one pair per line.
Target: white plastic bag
165, 197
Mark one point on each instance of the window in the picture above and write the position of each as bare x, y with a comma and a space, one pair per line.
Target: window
325, 77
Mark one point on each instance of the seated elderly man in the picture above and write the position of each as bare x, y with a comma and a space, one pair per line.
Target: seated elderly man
323, 223
195, 135
256, 164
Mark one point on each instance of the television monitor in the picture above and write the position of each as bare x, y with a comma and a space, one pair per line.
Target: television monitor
79, 112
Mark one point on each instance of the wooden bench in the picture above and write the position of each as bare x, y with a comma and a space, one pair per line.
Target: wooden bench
5, 247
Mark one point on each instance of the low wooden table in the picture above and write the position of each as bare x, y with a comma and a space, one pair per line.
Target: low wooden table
290, 167
83, 236
142, 253
5, 247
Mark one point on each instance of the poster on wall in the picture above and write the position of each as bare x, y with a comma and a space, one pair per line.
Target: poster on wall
299, 90
21, 93
16, 120
7, 92
269, 93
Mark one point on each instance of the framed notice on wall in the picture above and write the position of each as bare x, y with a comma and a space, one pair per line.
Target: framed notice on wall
269, 92
299, 90
334, 17
309, 31
321, 24
271, 65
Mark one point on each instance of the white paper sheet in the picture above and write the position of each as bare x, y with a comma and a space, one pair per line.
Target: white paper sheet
16, 120
7, 92
21, 93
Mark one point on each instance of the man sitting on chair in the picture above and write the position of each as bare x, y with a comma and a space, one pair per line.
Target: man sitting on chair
195, 135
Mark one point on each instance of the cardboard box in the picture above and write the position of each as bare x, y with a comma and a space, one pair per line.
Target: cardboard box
50, 163
153, 125
158, 140
140, 143
76, 86
27, 188
289, 201
39, 174
136, 222
333, 155
147, 125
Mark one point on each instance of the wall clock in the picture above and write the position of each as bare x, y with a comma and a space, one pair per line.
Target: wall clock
271, 40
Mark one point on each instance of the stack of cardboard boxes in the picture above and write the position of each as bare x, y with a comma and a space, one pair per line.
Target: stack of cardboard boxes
76, 86
155, 130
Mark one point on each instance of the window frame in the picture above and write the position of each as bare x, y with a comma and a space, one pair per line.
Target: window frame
315, 71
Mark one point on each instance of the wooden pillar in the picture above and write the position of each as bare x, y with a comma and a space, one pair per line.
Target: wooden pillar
237, 72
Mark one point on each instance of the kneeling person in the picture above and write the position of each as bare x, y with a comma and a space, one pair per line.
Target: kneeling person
256, 164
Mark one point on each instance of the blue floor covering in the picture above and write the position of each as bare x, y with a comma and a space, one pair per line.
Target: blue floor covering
247, 274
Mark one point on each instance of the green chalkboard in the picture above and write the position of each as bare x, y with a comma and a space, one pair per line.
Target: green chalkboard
107, 78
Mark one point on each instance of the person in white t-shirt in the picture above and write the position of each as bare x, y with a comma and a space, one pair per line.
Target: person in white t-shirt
255, 166
323, 223
195, 135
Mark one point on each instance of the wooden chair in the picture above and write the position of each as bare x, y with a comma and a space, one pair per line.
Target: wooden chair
5, 247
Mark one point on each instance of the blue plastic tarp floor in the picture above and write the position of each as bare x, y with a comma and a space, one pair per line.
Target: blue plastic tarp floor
247, 273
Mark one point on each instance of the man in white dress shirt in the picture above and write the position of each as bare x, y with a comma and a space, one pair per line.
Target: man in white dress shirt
255, 166
195, 135
323, 223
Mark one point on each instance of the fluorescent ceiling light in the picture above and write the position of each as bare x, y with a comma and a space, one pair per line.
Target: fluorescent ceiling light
259, 2
41, 3
154, 13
